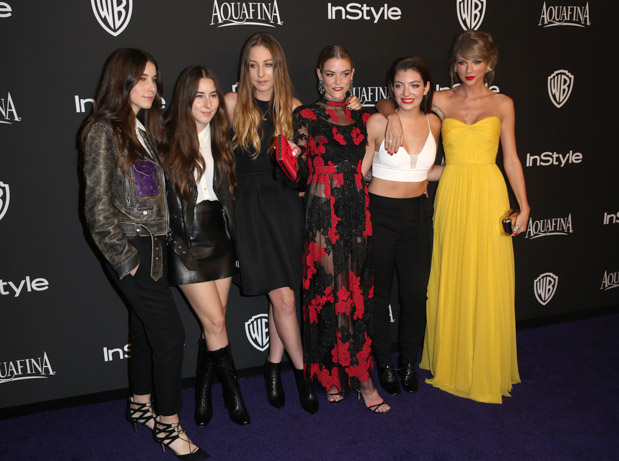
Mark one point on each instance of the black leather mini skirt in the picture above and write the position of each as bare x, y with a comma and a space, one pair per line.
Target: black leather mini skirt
210, 244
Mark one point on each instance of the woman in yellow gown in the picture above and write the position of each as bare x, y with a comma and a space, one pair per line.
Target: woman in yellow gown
470, 342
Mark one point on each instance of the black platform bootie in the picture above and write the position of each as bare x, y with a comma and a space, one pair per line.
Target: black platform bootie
307, 396
388, 380
204, 383
273, 383
226, 373
409, 377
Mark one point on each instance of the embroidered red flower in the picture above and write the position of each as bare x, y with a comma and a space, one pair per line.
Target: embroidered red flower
331, 113
348, 117
341, 352
357, 136
308, 113
313, 253
342, 306
365, 117
338, 137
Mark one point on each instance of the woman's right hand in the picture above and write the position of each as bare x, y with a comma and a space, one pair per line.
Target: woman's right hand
394, 134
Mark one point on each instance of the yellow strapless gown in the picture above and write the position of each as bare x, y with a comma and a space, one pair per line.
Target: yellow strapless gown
470, 342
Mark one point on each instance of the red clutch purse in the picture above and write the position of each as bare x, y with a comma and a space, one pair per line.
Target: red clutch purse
285, 158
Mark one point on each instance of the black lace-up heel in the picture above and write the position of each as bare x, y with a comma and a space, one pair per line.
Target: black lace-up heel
139, 413
166, 434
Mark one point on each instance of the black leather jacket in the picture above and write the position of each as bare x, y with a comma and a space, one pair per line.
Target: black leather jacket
182, 213
114, 212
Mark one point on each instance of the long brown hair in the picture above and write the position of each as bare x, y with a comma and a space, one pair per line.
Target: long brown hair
183, 157
247, 117
121, 72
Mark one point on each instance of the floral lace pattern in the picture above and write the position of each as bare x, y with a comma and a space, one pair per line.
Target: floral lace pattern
337, 280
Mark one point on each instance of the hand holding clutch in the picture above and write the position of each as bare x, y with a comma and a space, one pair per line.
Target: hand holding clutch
507, 223
285, 157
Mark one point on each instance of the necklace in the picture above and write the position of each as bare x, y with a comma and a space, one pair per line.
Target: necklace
264, 113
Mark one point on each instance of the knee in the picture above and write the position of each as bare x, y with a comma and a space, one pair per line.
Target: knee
215, 325
286, 306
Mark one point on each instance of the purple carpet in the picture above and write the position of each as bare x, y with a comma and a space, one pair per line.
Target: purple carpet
565, 409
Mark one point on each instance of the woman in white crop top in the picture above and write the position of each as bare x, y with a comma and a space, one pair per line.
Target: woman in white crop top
402, 218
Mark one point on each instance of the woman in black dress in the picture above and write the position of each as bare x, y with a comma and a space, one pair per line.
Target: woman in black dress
269, 214
127, 216
337, 280
200, 168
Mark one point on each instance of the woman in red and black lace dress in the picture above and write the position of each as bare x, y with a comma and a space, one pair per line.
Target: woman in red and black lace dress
337, 280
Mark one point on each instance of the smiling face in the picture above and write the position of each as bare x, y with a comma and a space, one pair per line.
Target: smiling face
205, 103
337, 74
143, 93
470, 71
409, 89
260, 64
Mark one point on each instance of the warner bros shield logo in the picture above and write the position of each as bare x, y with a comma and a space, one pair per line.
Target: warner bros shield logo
545, 287
257, 331
113, 15
471, 13
5, 197
560, 85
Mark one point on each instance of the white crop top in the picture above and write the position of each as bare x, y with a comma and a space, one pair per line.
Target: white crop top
403, 167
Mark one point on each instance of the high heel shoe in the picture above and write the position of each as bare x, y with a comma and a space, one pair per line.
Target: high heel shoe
204, 382
307, 396
273, 383
374, 408
226, 373
166, 434
139, 413
335, 394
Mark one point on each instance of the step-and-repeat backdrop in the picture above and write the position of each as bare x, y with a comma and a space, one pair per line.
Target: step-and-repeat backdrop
63, 329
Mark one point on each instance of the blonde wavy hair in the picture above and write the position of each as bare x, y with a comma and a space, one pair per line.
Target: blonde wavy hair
247, 116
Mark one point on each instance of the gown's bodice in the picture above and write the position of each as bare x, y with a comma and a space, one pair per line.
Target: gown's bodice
475, 144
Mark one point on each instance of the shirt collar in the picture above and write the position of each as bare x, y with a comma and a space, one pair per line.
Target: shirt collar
139, 125
204, 137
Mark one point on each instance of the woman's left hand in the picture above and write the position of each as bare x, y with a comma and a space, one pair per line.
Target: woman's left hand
519, 224
296, 150
353, 103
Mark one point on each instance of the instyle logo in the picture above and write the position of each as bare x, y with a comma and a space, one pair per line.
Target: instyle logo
26, 285
257, 331
80, 104
562, 15
471, 13
609, 218
554, 159
560, 84
610, 280
8, 113
545, 287
227, 14
121, 354
5, 10
370, 95
113, 15
31, 368
5, 198
363, 12
549, 226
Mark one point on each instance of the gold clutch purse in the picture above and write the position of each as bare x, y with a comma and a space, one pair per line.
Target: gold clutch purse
506, 222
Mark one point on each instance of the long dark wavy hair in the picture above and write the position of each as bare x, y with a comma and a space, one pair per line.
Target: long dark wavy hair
121, 72
419, 66
183, 157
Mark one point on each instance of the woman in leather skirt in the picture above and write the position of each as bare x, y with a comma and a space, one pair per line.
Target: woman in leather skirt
200, 169
127, 215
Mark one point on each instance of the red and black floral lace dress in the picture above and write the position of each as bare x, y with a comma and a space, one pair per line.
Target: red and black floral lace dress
337, 278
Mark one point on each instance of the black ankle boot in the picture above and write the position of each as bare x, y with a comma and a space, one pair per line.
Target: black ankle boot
204, 383
273, 382
409, 377
307, 396
388, 380
226, 373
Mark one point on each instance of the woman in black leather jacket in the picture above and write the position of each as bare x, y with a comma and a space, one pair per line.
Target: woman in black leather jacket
200, 168
127, 216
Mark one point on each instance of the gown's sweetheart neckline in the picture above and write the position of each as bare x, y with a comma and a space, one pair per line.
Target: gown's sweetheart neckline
472, 124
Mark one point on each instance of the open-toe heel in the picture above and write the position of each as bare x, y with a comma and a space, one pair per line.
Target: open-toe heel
166, 434
139, 413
